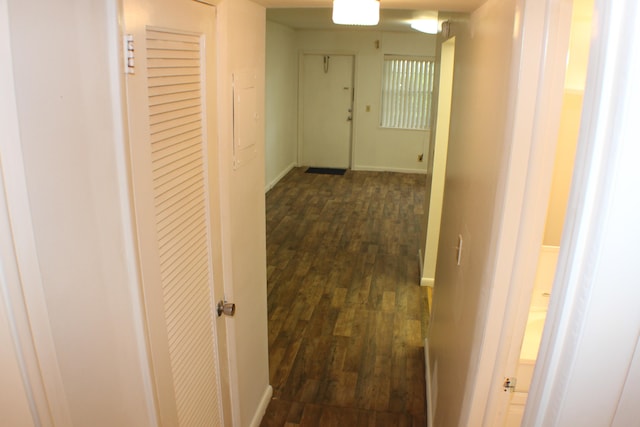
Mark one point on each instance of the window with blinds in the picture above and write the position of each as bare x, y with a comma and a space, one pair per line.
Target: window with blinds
407, 90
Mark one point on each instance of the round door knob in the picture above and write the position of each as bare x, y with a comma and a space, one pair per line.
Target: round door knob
226, 308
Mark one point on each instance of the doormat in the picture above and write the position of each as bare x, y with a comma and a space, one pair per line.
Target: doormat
326, 171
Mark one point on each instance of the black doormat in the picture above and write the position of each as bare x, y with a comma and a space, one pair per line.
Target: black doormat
326, 171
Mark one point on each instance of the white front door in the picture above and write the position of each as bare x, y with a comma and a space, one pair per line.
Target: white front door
327, 104
172, 124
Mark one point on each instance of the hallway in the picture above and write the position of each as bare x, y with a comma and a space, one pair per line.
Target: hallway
345, 324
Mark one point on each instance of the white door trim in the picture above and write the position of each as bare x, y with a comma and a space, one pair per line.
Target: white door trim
539, 60
210, 85
593, 315
553, 19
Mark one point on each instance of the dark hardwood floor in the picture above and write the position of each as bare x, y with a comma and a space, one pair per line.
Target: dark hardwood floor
345, 309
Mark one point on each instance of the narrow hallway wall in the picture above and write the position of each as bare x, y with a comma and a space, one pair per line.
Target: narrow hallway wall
68, 97
476, 158
281, 103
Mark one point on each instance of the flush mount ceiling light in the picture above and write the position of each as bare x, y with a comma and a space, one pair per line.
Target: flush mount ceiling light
356, 12
426, 22
425, 26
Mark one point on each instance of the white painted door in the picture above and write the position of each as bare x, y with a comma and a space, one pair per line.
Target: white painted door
327, 104
172, 124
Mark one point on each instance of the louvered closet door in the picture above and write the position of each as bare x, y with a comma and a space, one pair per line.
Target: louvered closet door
170, 137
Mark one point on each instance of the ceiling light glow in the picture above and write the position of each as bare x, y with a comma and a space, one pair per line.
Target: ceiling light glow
356, 12
429, 26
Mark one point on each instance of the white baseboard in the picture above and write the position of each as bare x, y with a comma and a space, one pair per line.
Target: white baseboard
427, 374
277, 179
427, 281
262, 407
388, 169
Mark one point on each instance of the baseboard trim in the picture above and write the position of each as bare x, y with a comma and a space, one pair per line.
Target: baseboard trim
277, 179
427, 281
262, 407
388, 169
427, 377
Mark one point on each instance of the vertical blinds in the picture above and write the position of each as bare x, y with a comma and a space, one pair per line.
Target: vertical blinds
407, 90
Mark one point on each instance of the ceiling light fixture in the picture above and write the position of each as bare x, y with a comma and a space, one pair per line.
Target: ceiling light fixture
426, 26
425, 21
356, 12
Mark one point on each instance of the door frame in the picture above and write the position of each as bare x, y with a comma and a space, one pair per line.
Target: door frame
24, 291
539, 56
438, 161
593, 315
352, 140
224, 340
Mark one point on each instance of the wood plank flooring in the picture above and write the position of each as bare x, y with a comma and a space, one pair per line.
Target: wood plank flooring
345, 309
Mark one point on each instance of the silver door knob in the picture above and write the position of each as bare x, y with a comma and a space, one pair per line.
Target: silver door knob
226, 308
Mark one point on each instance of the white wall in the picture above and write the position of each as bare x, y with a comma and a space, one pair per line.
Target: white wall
68, 99
281, 102
14, 400
374, 148
241, 35
68, 91
476, 160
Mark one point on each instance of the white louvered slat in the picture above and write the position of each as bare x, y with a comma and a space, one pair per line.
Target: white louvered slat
162, 125
174, 106
191, 241
179, 314
169, 175
168, 191
184, 159
176, 130
176, 273
168, 181
159, 41
179, 191
174, 80
174, 97
174, 222
161, 118
176, 88
171, 72
175, 277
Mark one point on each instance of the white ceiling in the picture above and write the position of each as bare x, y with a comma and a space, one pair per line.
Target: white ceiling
443, 5
394, 14
320, 19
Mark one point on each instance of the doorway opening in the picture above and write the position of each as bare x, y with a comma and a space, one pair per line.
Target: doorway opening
355, 269
570, 119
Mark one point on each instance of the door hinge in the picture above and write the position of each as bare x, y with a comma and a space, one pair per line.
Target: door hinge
129, 55
509, 384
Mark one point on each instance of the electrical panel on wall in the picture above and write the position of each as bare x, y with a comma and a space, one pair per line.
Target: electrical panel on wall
245, 118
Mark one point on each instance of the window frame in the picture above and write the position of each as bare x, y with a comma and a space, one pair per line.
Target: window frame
430, 83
